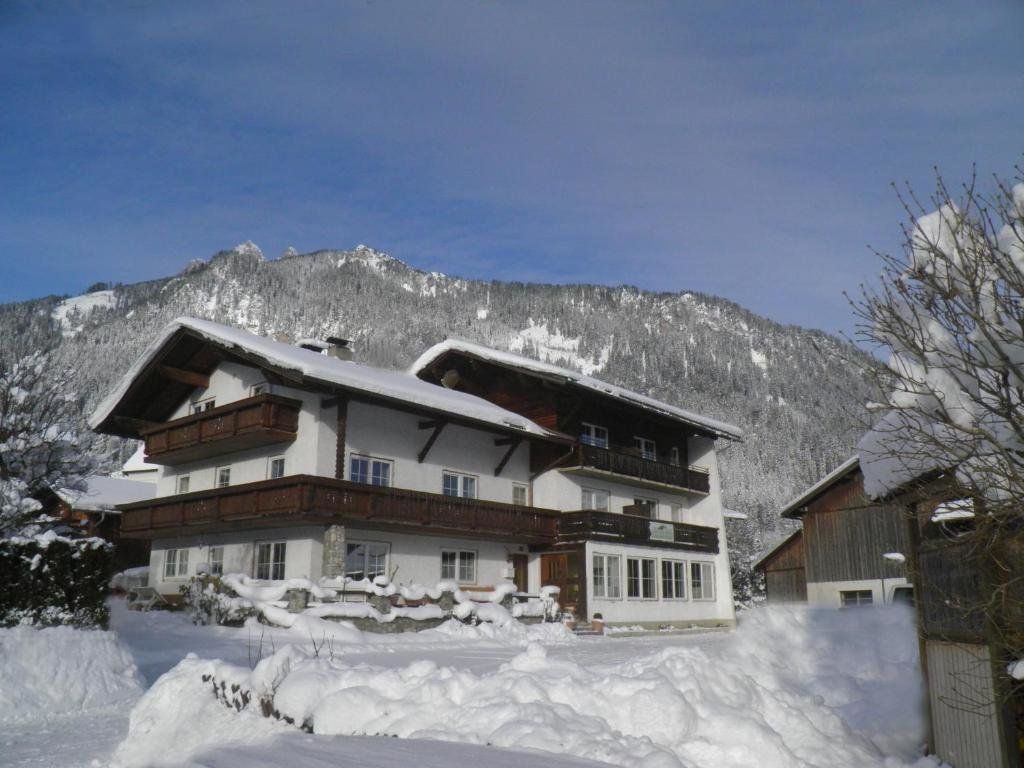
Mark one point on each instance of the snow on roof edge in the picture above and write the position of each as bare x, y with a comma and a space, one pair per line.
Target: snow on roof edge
395, 385
720, 428
103, 493
825, 482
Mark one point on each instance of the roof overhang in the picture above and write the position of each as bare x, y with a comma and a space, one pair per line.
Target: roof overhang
795, 509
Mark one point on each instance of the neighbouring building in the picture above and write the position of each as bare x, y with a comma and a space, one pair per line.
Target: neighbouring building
477, 466
854, 549
784, 571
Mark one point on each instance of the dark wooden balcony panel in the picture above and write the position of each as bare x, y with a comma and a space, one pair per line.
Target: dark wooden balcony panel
587, 525
306, 499
589, 459
250, 423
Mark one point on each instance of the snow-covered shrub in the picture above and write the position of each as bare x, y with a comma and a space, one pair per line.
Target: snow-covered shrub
210, 601
50, 579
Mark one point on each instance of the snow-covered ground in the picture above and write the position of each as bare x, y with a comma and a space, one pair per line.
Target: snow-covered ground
790, 688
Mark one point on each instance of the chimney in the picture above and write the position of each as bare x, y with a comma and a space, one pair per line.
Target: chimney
339, 348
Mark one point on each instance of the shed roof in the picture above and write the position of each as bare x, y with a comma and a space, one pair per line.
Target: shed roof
103, 493
794, 509
776, 547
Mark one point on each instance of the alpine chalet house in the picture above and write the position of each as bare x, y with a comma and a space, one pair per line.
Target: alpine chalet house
641, 536
284, 461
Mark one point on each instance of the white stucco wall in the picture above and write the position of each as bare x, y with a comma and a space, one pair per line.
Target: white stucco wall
825, 594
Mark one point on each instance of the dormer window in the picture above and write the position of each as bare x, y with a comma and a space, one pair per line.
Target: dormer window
647, 448
592, 434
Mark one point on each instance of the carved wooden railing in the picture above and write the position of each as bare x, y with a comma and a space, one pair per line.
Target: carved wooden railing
610, 526
633, 465
249, 423
303, 499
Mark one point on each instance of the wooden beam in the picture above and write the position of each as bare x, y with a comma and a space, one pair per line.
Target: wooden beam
339, 450
507, 456
431, 423
439, 426
182, 376
499, 441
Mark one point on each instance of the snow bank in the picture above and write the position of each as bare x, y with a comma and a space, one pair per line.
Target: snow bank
61, 670
792, 687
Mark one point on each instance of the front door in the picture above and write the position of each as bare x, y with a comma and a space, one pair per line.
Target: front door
520, 566
562, 570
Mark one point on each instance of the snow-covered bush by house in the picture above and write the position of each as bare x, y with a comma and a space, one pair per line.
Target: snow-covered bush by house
210, 601
50, 579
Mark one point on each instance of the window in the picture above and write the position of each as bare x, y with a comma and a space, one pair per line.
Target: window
855, 597
175, 563
676, 512
183, 483
519, 494
645, 508
275, 468
591, 434
270, 560
702, 581
366, 559
673, 456
595, 499
202, 405
640, 578
366, 469
646, 447
607, 576
458, 566
216, 561
223, 477
457, 484
673, 580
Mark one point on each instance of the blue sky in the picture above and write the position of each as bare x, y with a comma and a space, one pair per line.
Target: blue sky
742, 150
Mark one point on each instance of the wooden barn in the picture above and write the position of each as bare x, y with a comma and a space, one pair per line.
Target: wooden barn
785, 575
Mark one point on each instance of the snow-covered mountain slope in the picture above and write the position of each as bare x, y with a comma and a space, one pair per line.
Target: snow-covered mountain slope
796, 393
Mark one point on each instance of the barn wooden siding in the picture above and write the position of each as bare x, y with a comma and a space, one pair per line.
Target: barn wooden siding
845, 535
785, 578
967, 722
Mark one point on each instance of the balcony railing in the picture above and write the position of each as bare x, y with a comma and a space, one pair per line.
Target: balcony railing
629, 529
307, 499
250, 423
631, 464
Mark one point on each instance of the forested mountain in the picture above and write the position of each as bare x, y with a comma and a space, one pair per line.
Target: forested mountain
796, 393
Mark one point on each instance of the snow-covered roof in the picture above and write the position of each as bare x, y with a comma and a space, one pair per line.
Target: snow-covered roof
792, 509
776, 547
330, 371
509, 359
957, 509
103, 494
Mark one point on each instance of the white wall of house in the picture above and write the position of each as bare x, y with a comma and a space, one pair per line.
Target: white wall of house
828, 594
303, 554
660, 609
385, 433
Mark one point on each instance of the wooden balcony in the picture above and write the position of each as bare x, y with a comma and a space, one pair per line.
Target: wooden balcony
249, 423
587, 525
311, 500
591, 460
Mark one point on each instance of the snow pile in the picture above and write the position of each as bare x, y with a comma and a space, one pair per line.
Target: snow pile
61, 670
792, 688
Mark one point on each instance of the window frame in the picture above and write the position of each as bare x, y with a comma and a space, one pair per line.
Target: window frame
179, 564
674, 456
200, 406
368, 544
217, 481
215, 564
272, 563
677, 577
525, 488
858, 600
641, 443
606, 581
584, 490
651, 504
473, 558
705, 582
372, 463
642, 579
270, 467
462, 477
187, 479
675, 512
589, 435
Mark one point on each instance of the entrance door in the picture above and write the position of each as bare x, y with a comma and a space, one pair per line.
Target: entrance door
520, 565
562, 570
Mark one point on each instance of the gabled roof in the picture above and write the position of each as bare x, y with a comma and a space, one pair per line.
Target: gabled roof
795, 508
103, 494
776, 547
302, 367
566, 376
